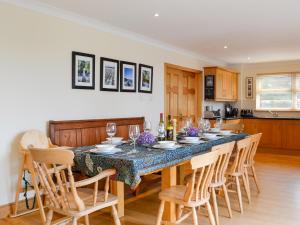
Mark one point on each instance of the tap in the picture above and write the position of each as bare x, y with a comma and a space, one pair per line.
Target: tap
274, 114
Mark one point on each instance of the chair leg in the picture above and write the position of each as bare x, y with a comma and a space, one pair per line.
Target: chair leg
238, 187
210, 214
227, 200
179, 211
86, 220
246, 186
255, 178
195, 217
160, 213
74, 221
49, 217
115, 215
215, 205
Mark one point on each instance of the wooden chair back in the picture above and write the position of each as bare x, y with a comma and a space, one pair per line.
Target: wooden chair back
203, 169
241, 152
236, 128
255, 139
59, 187
224, 152
34, 138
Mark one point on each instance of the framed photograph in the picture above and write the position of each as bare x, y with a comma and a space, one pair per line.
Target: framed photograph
83, 71
145, 78
109, 74
249, 87
128, 76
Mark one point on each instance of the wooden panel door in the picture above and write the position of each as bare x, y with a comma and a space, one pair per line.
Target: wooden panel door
183, 94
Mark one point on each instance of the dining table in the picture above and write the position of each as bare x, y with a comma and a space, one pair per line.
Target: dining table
131, 166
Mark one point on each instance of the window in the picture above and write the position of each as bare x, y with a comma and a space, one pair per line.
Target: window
278, 91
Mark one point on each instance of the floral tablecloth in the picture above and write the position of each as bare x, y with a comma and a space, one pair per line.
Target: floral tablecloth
130, 167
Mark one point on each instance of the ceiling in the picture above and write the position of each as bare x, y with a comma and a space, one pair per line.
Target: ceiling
264, 30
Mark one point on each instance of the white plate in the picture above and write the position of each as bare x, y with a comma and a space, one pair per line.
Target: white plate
111, 151
105, 147
167, 144
191, 142
114, 143
166, 148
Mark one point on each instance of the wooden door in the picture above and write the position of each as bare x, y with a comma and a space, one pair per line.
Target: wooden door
183, 93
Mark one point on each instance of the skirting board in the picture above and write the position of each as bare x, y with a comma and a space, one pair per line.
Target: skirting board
6, 210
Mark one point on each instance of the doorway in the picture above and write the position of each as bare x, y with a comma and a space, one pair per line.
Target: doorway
183, 93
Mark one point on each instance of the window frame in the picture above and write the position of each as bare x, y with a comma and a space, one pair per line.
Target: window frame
294, 90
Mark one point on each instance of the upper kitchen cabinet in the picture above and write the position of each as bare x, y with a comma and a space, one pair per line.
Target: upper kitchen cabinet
220, 84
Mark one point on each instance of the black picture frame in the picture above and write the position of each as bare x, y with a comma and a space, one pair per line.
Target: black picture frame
141, 88
132, 87
109, 87
83, 82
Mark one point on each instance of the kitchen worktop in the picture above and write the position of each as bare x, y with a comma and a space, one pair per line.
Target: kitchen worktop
272, 118
223, 118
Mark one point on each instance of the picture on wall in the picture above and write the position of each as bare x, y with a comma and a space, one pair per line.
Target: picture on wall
249, 87
145, 78
128, 76
83, 71
109, 74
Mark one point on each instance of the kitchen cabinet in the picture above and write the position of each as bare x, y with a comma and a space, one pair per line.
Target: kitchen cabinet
225, 84
277, 133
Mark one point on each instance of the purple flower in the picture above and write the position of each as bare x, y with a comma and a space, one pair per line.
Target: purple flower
193, 132
146, 138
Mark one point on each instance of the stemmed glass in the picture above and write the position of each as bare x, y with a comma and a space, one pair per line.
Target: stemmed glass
187, 124
201, 123
218, 123
111, 130
134, 133
147, 126
206, 126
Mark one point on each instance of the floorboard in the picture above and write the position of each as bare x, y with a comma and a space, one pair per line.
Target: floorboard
277, 204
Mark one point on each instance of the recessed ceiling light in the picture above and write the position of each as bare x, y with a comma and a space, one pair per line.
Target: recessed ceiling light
156, 15
225, 46
249, 58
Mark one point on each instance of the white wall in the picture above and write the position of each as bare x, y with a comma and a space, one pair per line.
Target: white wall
250, 70
35, 86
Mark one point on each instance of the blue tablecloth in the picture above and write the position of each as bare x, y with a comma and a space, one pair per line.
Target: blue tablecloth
130, 167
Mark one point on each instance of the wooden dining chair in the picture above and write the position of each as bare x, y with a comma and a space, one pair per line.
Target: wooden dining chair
249, 164
67, 197
195, 193
219, 179
37, 139
236, 128
236, 169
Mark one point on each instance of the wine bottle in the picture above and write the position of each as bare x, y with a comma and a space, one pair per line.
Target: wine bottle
169, 129
161, 128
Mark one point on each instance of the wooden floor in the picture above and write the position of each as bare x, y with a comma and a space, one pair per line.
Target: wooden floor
277, 204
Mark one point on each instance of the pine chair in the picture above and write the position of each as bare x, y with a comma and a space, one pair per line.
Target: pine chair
236, 128
255, 139
237, 169
195, 193
67, 197
37, 139
219, 179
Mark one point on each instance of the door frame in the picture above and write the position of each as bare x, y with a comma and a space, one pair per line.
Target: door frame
199, 86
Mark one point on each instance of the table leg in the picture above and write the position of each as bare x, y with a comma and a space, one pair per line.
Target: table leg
168, 180
117, 188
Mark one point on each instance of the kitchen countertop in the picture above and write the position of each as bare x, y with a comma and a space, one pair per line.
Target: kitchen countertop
272, 118
223, 118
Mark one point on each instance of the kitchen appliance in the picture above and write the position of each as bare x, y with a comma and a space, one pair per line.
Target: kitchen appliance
230, 111
209, 90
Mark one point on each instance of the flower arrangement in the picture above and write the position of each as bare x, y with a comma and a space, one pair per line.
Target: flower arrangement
193, 131
146, 138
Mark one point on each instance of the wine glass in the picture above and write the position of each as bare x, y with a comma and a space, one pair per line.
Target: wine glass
218, 123
187, 124
134, 133
147, 126
201, 123
111, 130
206, 126
161, 131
